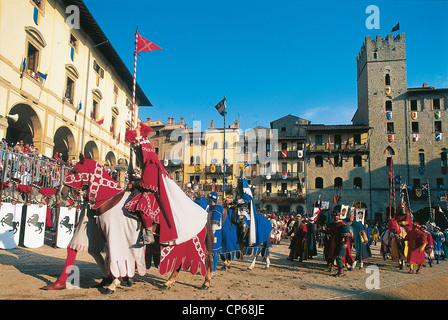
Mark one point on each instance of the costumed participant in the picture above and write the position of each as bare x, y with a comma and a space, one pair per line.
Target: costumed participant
375, 235
361, 241
323, 219
294, 235
302, 241
87, 237
429, 249
398, 226
340, 242
161, 201
216, 211
438, 239
312, 243
201, 201
417, 242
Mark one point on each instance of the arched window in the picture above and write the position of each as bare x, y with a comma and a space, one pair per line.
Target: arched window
319, 161
443, 157
387, 80
421, 158
319, 183
357, 183
357, 161
338, 183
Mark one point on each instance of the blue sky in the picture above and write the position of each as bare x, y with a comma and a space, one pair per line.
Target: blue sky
269, 58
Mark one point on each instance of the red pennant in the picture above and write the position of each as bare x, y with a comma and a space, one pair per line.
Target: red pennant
145, 45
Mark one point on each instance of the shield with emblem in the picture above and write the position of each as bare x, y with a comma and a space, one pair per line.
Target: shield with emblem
438, 136
414, 115
300, 153
389, 115
415, 137
66, 226
10, 217
34, 235
421, 170
390, 138
418, 192
437, 115
388, 90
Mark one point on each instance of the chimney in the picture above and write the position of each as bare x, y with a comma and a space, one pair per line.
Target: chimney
148, 120
181, 121
425, 85
212, 125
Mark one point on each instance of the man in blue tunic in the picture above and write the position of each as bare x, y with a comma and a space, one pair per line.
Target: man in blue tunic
215, 213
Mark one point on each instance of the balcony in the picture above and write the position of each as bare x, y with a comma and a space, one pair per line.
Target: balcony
218, 169
283, 197
351, 148
287, 176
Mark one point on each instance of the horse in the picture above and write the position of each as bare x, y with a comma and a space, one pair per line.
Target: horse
235, 246
120, 229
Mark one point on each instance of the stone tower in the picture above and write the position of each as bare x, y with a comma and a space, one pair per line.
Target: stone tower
382, 87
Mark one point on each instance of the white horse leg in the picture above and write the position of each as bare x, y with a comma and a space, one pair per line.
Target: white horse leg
268, 262
111, 288
252, 265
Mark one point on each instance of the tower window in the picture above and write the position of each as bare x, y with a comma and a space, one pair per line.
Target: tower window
438, 126
387, 80
319, 183
357, 183
436, 104
319, 161
390, 127
413, 105
389, 105
414, 127
357, 161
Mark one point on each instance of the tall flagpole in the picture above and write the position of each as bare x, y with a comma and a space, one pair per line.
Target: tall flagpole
224, 157
134, 85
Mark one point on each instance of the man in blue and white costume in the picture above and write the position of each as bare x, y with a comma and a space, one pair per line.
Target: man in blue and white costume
215, 212
256, 240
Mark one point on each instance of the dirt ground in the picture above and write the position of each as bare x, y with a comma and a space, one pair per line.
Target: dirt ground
23, 272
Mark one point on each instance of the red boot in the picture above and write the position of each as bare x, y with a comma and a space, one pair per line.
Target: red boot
58, 285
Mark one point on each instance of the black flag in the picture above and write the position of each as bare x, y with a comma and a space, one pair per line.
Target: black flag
396, 28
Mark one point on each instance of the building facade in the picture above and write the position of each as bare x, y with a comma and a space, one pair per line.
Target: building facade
408, 127
63, 89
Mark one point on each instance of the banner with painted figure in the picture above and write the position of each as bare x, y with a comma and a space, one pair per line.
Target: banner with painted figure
10, 216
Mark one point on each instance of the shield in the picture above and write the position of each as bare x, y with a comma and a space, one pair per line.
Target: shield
10, 216
415, 137
388, 90
418, 192
34, 235
437, 115
438, 136
421, 170
284, 154
390, 138
389, 115
213, 169
300, 153
414, 115
65, 227
284, 175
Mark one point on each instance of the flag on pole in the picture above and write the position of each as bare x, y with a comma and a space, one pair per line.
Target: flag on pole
221, 107
396, 28
77, 110
145, 45
101, 120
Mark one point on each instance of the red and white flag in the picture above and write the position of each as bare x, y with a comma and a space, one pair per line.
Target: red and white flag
145, 45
